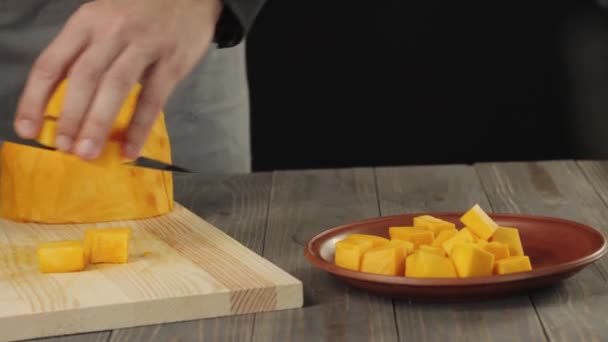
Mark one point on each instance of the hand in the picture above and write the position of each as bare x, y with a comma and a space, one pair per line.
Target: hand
104, 49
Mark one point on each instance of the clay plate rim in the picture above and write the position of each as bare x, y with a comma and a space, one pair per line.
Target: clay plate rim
311, 253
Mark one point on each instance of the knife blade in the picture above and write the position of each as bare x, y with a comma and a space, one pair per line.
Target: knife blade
141, 161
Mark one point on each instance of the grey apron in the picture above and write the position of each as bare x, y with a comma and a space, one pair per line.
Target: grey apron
207, 115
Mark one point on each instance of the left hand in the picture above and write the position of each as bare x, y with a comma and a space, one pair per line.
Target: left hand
104, 49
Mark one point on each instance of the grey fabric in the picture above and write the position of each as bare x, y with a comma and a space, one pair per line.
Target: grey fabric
207, 115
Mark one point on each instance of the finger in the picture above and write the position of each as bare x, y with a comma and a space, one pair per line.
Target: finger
111, 94
84, 76
46, 73
159, 84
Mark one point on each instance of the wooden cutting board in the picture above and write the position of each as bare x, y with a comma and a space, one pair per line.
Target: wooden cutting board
181, 268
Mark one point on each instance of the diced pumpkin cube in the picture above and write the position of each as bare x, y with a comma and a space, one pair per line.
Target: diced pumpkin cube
436, 225
443, 236
474, 237
376, 240
61, 257
89, 236
500, 250
410, 264
348, 253
386, 260
435, 250
406, 246
463, 236
509, 236
429, 265
479, 222
513, 264
110, 245
416, 235
470, 260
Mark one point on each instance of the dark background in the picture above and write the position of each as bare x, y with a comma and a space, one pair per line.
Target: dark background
337, 84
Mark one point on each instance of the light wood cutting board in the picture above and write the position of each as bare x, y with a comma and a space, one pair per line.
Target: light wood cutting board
181, 268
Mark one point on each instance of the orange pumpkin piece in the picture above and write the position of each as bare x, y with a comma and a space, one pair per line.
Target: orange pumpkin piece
425, 264
89, 236
416, 235
374, 239
385, 260
43, 186
470, 260
480, 223
348, 253
509, 236
463, 236
443, 236
433, 224
406, 246
61, 257
500, 250
108, 245
435, 250
514, 264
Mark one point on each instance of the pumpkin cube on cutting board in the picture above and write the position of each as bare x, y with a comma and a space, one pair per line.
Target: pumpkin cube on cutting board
435, 248
109, 245
61, 257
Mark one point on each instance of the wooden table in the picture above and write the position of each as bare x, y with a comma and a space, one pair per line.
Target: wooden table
275, 214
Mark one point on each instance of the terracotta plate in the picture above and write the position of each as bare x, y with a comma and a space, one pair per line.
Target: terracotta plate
557, 249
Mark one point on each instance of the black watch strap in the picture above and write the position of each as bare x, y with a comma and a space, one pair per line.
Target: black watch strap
229, 30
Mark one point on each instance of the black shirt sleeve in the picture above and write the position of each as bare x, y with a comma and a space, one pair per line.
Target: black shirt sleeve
235, 21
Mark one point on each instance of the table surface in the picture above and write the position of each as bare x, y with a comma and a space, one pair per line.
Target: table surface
274, 214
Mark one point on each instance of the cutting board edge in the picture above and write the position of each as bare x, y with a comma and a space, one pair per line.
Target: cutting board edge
121, 313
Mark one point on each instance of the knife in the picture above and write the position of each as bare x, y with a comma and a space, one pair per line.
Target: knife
144, 162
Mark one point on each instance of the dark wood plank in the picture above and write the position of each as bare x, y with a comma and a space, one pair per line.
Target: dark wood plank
576, 309
238, 205
451, 188
597, 175
302, 205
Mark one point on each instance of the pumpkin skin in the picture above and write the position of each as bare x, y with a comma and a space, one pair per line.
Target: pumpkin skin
44, 186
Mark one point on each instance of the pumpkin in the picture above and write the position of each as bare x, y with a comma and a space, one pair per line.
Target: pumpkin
46, 186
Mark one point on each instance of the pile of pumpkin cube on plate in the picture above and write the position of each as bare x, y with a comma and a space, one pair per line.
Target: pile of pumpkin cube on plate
435, 248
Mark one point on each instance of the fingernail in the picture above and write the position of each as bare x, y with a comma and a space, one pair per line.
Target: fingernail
26, 128
87, 149
64, 143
